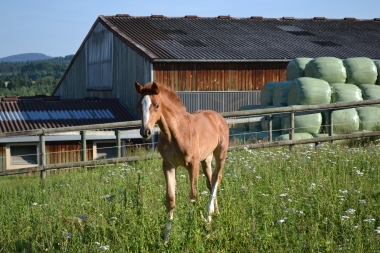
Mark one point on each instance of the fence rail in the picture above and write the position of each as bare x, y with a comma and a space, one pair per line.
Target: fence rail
289, 111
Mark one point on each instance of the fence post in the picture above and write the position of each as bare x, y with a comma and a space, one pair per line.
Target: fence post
83, 145
42, 156
270, 123
118, 143
330, 127
291, 132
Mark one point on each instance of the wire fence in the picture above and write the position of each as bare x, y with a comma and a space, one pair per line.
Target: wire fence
240, 137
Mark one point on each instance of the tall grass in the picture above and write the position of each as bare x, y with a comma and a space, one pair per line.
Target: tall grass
323, 199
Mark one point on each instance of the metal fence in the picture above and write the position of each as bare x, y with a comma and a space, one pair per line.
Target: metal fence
219, 101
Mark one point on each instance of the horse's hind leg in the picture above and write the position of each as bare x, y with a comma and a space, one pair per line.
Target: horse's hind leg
220, 157
206, 167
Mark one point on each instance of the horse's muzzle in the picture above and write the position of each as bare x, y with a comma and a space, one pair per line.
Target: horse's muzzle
146, 133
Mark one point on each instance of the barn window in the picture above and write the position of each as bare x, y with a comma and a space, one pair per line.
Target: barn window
23, 155
99, 50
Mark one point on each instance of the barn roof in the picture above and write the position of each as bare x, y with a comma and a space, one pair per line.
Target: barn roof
30, 113
223, 38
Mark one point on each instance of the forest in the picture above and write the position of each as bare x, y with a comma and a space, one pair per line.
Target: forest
33, 77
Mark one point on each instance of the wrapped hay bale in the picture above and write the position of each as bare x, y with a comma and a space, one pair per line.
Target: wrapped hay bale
266, 95
370, 91
276, 123
280, 94
345, 93
309, 123
296, 68
330, 69
360, 70
369, 118
377, 64
309, 91
344, 121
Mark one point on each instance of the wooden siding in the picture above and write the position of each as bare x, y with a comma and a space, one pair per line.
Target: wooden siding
128, 67
229, 76
66, 152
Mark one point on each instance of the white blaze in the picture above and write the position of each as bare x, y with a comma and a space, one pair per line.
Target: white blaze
146, 102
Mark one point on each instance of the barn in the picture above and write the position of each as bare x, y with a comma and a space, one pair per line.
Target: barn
218, 63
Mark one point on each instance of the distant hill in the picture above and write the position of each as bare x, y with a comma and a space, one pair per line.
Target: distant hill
25, 57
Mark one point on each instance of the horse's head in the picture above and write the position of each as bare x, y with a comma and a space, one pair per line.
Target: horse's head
149, 107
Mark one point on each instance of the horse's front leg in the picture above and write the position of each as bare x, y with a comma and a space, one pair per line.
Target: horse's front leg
193, 169
169, 172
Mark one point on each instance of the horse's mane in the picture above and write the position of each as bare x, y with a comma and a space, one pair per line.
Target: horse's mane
171, 95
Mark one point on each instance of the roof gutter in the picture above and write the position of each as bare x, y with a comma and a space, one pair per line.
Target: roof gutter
220, 60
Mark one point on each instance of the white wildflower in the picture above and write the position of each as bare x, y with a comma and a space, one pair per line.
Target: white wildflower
358, 172
350, 211
105, 247
369, 220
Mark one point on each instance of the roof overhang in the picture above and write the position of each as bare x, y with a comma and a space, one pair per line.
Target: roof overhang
218, 60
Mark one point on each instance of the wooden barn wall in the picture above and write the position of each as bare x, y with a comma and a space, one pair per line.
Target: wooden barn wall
231, 76
128, 67
66, 152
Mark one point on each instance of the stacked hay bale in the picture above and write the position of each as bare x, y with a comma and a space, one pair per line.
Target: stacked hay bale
306, 91
347, 120
320, 81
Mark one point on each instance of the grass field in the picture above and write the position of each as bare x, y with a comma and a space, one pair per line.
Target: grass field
323, 199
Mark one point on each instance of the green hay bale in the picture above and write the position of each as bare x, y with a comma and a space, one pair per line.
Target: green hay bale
330, 69
266, 95
280, 94
377, 64
309, 91
369, 118
344, 121
360, 70
296, 68
345, 93
370, 91
310, 123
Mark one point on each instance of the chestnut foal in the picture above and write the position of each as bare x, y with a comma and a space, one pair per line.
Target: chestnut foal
185, 140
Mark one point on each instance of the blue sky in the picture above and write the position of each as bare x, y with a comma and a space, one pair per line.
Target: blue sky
57, 28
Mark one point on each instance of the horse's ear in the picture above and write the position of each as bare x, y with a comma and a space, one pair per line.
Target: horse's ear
138, 87
155, 88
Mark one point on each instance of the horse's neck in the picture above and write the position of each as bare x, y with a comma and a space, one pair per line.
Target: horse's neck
167, 122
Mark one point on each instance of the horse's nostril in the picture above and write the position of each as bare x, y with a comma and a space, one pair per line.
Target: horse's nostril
147, 132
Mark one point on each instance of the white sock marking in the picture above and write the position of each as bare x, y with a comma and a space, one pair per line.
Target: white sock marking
146, 102
211, 206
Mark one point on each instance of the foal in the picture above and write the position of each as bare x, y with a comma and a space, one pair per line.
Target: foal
186, 139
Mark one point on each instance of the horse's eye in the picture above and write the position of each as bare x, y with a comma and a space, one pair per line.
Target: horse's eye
157, 106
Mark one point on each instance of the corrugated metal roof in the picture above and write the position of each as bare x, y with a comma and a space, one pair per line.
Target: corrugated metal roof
29, 113
225, 38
